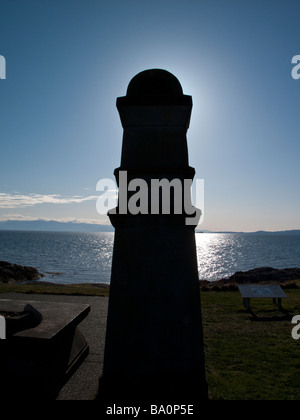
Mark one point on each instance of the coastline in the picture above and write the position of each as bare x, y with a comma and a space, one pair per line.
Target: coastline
26, 279
102, 289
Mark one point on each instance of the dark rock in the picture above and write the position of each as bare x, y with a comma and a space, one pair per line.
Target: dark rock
265, 274
11, 273
256, 275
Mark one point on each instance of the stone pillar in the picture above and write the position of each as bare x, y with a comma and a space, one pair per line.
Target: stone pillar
154, 345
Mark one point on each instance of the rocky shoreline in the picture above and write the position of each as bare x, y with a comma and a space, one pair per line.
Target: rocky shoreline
15, 273
263, 275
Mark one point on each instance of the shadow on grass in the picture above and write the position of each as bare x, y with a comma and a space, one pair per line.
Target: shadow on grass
287, 316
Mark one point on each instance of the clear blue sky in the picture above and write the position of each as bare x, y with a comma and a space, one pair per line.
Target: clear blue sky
67, 62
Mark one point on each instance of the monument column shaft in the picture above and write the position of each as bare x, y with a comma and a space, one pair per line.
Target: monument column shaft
154, 315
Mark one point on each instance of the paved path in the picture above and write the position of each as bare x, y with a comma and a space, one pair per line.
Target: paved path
83, 385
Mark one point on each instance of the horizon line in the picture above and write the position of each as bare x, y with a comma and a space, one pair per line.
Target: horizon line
91, 224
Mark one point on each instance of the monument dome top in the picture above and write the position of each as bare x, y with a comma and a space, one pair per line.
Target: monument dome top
154, 82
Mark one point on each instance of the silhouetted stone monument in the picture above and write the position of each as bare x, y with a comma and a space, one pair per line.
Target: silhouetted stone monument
154, 345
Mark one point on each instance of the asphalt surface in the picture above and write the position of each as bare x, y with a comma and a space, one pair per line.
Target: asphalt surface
83, 385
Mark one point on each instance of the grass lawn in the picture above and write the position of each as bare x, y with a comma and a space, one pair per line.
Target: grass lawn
86, 289
246, 358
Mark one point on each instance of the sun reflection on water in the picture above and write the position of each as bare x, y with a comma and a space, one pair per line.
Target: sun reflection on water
214, 255
220, 255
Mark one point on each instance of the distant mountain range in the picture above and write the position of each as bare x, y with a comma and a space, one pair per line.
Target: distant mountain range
41, 225
258, 232
280, 232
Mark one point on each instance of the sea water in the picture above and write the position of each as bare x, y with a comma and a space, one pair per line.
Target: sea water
76, 257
